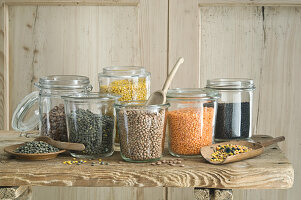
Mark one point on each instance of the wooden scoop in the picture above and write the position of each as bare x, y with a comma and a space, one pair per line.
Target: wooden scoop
159, 96
62, 145
257, 149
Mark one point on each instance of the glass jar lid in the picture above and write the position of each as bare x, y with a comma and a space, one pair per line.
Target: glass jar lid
26, 115
124, 71
231, 83
64, 82
192, 94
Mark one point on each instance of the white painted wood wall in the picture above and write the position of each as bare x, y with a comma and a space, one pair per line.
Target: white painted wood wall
259, 39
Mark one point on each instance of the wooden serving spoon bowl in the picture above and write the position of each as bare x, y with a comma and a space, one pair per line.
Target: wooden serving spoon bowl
257, 149
44, 156
31, 156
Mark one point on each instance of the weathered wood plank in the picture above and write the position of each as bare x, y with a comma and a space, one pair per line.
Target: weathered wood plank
4, 67
72, 2
95, 193
2, 83
184, 42
277, 173
249, 2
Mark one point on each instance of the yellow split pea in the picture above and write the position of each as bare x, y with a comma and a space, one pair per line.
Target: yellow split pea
128, 89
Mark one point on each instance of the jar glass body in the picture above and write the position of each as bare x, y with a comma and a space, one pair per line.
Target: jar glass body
234, 113
141, 130
191, 121
45, 108
52, 112
130, 82
91, 121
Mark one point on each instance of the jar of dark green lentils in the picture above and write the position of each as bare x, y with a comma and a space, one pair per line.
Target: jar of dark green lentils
91, 121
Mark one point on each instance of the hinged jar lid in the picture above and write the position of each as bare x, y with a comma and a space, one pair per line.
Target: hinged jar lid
192, 94
231, 84
26, 116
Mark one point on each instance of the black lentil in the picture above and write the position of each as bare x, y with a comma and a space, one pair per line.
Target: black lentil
233, 120
95, 131
54, 124
36, 147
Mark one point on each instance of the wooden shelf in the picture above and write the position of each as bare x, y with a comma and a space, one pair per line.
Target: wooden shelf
271, 170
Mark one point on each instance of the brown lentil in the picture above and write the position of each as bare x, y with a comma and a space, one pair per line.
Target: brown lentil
190, 129
141, 134
54, 124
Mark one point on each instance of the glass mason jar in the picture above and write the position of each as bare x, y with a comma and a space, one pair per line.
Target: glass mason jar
46, 107
141, 130
91, 121
234, 113
130, 82
191, 120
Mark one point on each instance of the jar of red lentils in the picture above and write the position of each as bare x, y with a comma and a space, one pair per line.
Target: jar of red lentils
191, 120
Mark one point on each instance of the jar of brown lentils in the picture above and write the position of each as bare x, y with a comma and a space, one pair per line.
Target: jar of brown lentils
45, 108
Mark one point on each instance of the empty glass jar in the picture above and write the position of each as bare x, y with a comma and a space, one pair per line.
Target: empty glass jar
46, 107
91, 121
191, 120
234, 113
141, 130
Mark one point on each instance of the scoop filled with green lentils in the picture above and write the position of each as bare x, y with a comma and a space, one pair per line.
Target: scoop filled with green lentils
223, 151
36, 147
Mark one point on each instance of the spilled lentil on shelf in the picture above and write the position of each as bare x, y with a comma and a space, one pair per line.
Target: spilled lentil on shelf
190, 129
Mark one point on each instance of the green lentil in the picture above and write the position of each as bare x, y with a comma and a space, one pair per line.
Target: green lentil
95, 131
36, 147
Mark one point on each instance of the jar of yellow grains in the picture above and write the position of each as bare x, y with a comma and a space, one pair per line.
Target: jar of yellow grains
132, 83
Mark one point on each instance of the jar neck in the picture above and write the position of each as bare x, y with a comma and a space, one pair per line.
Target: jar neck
124, 71
55, 92
231, 84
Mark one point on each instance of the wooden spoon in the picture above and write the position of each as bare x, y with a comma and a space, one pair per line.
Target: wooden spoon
159, 96
62, 145
31, 156
257, 149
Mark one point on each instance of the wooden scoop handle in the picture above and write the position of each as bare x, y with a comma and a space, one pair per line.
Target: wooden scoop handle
171, 75
69, 146
272, 141
62, 145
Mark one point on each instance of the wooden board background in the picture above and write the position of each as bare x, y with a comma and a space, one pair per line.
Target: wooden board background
255, 39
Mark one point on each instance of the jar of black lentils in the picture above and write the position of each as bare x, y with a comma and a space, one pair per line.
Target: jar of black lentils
91, 121
234, 113
45, 108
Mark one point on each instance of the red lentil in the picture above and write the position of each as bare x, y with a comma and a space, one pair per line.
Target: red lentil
190, 129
